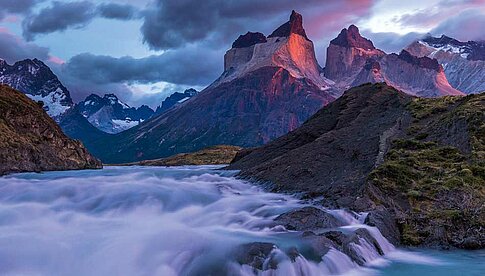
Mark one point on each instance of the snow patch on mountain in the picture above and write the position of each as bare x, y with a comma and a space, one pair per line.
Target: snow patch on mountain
110, 114
52, 102
36, 80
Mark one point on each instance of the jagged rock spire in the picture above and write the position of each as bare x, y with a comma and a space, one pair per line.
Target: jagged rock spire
351, 38
295, 26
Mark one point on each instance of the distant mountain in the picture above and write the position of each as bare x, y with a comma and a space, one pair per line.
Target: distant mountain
175, 99
463, 62
270, 86
31, 141
111, 115
38, 82
353, 60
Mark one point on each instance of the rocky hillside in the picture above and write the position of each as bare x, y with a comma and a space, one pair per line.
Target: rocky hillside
31, 141
463, 62
216, 155
416, 164
353, 60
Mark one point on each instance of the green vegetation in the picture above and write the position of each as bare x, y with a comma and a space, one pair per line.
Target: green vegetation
215, 155
437, 185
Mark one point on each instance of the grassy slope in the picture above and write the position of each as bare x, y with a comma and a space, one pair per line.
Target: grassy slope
216, 155
436, 180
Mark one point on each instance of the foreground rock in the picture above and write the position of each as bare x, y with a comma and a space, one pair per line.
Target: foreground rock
307, 219
416, 164
217, 155
31, 141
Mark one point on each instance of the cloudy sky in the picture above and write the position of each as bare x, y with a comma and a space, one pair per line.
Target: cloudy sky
143, 50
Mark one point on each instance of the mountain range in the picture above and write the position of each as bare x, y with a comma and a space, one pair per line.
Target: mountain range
110, 114
270, 86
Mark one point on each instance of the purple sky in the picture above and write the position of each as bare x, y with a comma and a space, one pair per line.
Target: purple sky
144, 50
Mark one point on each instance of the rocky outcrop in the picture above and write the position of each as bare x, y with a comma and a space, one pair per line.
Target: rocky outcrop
294, 26
463, 62
416, 164
30, 141
353, 60
348, 54
288, 47
307, 219
248, 40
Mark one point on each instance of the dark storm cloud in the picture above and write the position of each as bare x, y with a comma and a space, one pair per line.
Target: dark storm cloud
16, 6
13, 48
117, 11
173, 23
61, 16
188, 66
467, 25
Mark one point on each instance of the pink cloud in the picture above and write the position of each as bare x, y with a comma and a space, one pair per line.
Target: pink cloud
56, 60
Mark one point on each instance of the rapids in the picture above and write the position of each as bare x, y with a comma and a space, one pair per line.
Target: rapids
165, 221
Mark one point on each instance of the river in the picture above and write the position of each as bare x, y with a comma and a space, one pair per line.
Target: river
177, 221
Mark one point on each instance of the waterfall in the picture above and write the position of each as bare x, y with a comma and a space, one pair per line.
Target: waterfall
165, 221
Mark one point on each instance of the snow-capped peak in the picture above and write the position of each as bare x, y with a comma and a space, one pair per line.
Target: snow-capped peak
471, 50
37, 81
113, 100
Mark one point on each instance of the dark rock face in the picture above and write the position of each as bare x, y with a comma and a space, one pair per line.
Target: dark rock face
385, 222
347, 242
248, 111
31, 141
351, 38
424, 62
345, 138
175, 99
249, 39
255, 254
295, 26
372, 65
307, 219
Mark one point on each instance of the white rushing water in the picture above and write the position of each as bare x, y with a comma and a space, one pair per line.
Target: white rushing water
159, 221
